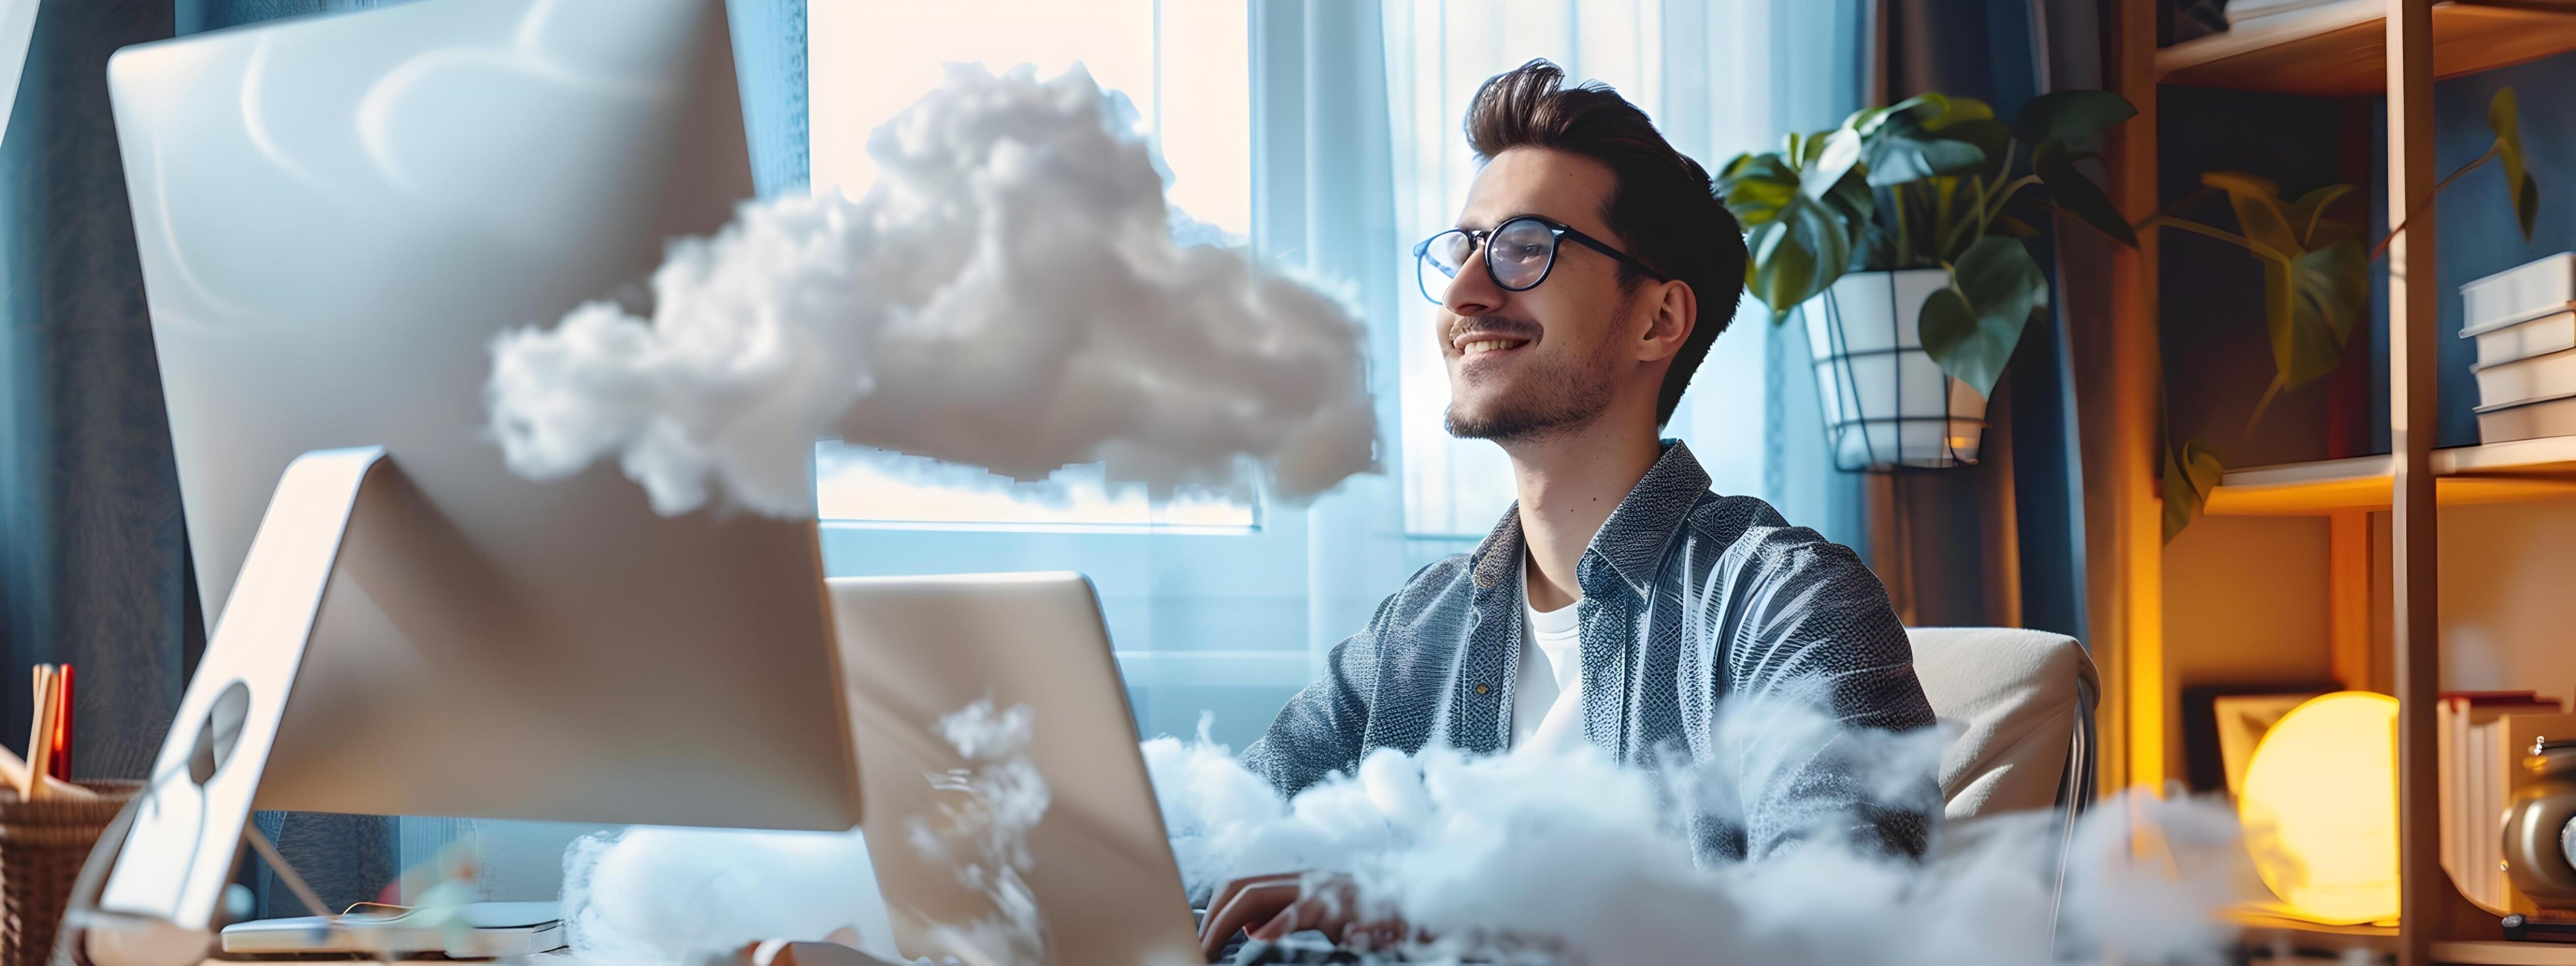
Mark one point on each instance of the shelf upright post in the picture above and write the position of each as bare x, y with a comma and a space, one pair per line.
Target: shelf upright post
2412, 313
2119, 381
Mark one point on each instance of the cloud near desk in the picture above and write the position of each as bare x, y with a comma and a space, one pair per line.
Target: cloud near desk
1008, 295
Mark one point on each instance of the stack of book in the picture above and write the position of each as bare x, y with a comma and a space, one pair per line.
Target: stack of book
2524, 321
2482, 737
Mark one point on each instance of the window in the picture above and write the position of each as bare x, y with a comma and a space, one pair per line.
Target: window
1207, 600
1706, 74
870, 61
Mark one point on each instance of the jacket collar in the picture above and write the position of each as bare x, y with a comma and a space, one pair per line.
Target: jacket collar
1632, 541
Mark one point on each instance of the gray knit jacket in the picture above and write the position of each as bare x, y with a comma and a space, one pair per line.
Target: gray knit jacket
1742, 604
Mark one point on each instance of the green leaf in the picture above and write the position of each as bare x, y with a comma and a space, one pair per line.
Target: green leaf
2312, 304
1991, 137
1971, 327
1754, 187
2076, 192
2260, 214
1836, 154
1938, 111
2329, 289
1797, 254
1902, 152
2189, 476
2506, 119
2069, 116
2307, 212
1852, 201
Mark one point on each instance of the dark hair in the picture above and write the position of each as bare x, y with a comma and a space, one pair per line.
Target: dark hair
1662, 208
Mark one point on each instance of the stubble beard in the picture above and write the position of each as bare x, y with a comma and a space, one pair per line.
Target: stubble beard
1564, 399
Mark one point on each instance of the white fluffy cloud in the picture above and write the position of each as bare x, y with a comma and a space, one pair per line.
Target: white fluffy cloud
1008, 295
1560, 857
1571, 858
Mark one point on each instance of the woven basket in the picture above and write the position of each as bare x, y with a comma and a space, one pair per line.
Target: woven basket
42, 846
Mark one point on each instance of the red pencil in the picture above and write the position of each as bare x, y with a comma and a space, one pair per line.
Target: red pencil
61, 763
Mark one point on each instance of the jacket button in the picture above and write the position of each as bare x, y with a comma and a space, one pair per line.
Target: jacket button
1480, 689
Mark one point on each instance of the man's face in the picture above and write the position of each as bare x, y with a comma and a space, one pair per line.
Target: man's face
1524, 365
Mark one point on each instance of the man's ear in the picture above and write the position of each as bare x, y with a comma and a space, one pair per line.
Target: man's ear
1673, 310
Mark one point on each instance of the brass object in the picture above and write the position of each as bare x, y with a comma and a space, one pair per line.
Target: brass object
2539, 855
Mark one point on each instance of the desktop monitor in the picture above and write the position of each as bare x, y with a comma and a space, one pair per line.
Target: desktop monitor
335, 216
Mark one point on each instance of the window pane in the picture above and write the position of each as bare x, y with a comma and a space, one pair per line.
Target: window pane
855, 483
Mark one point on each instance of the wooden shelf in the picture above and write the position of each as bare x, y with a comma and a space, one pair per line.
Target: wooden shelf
2339, 49
2496, 953
2531, 469
2262, 936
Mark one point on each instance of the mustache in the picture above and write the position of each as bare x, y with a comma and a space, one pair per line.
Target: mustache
1509, 327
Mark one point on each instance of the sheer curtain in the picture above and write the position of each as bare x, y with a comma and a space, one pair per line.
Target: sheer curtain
1719, 77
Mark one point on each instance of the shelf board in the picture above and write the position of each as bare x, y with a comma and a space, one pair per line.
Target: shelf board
2261, 933
2297, 940
2488, 952
2531, 469
2339, 49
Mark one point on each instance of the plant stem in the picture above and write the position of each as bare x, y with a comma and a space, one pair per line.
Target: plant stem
2228, 237
1904, 246
2382, 248
2176, 208
2260, 406
1991, 207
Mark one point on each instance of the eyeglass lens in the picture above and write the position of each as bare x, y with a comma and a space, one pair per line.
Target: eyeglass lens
1518, 254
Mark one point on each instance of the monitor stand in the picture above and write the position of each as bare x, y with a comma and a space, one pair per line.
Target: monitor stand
157, 904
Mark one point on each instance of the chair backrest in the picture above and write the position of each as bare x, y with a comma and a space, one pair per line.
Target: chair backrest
2023, 701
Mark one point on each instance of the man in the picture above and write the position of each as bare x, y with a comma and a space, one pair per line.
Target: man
1621, 601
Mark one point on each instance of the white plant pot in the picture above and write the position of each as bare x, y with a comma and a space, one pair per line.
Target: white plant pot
1886, 403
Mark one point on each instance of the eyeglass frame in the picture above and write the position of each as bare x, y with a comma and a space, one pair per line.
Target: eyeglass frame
1558, 233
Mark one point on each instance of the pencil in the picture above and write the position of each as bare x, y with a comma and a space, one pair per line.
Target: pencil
40, 733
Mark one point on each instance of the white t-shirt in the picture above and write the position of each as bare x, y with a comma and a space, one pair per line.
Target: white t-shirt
1549, 686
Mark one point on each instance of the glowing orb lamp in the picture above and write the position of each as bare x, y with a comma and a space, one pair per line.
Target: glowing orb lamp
2320, 808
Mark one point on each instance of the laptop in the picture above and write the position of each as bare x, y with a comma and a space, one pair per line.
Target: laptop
918, 648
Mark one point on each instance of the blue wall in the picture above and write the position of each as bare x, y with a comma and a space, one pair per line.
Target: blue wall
2475, 231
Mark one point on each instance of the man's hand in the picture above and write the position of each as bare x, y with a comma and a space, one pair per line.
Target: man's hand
1270, 907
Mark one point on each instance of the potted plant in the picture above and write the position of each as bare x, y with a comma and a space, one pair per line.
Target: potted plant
1898, 234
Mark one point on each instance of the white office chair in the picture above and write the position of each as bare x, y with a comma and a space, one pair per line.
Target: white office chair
2023, 701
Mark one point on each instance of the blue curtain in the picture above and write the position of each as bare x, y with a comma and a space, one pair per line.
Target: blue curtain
91, 545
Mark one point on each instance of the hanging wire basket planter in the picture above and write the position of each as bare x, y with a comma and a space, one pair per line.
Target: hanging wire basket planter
1886, 403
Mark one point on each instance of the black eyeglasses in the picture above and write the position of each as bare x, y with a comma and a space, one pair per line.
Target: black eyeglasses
1518, 254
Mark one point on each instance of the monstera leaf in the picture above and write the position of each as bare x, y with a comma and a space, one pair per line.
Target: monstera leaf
2076, 192
2308, 216
1970, 328
2316, 281
2260, 213
2329, 290
1796, 255
2190, 473
1908, 141
1802, 208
